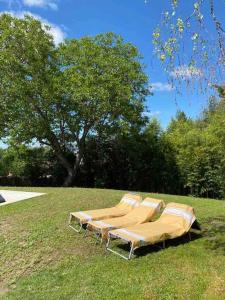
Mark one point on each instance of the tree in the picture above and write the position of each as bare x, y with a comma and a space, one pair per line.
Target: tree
25, 162
141, 160
199, 147
59, 96
189, 45
2, 163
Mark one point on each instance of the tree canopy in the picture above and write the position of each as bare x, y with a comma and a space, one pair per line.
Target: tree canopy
58, 96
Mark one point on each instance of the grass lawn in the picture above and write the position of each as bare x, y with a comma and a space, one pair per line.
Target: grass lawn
42, 258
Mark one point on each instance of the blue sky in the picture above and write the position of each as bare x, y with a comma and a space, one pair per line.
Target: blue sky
135, 21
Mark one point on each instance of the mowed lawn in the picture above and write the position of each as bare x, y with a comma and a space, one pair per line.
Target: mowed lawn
42, 258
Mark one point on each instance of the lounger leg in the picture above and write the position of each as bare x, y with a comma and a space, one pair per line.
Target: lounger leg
164, 244
86, 231
94, 234
117, 253
70, 218
89, 231
189, 235
73, 227
98, 239
131, 251
107, 244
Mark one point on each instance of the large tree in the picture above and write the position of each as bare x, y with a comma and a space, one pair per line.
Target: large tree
60, 95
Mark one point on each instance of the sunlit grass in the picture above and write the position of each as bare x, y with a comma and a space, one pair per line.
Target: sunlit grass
42, 258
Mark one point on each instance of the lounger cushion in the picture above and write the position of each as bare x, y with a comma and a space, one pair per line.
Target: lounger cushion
127, 203
141, 214
175, 221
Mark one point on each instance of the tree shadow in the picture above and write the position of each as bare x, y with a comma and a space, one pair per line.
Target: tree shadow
169, 243
214, 233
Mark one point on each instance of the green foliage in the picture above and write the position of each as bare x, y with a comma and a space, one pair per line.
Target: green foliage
21, 161
3, 166
187, 158
200, 150
135, 161
103, 82
59, 96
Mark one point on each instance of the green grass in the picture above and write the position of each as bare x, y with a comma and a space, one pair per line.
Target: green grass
42, 258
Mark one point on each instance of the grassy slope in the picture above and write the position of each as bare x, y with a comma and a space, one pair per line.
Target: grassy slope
41, 258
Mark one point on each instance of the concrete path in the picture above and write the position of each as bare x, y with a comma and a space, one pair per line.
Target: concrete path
14, 196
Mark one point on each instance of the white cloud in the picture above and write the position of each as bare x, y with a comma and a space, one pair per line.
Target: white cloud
12, 4
57, 33
150, 114
155, 113
17, 4
41, 3
186, 72
161, 87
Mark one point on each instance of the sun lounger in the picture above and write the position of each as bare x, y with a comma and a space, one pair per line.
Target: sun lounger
128, 202
175, 221
141, 214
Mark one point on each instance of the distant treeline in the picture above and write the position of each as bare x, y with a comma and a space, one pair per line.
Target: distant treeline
186, 158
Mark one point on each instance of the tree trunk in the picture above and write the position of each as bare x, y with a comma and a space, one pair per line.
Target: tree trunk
70, 178
71, 171
70, 168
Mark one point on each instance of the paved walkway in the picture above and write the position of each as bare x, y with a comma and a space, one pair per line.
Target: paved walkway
15, 196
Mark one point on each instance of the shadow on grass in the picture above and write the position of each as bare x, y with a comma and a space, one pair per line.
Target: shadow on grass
146, 250
214, 233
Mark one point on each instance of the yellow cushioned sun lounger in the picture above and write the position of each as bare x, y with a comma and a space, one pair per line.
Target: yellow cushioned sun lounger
128, 202
175, 221
141, 214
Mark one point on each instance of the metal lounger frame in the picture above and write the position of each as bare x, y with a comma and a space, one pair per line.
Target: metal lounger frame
96, 234
79, 226
116, 252
131, 253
